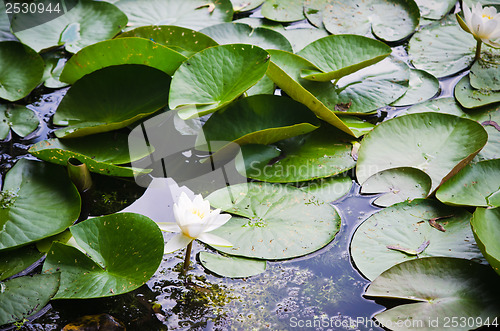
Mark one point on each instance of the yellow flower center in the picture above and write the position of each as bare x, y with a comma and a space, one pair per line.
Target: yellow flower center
487, 16
198, 212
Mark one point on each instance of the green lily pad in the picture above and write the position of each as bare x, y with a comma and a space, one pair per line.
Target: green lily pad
278, 221
313, 10
231, 266
21, 70
20, 119
358, 126
469, 97
239, 33
328, 189
23, 296
398, 185
85, 24
486, 228
54, 65
240, 6
15, 261
423, 86
485, 75
120, 94
200, 87
182, 40
283, 10
258, 120
435, 9
438, 144
101, 153
442, 48
121, 51
389, 20
340, 55
37, 201
322, 153
472, 185
192, 14
441, 291
300, 38
123, 252
5, 33
263, 86
259, 22
409, 230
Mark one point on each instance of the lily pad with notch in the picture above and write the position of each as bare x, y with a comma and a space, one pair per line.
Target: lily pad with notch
435, 9
409, 230
486, 228
328, 189
274, 222
121, 95
20, 119
283, 10
240, 6
485, 74
469, 97
423, 86
232, 266
17, 260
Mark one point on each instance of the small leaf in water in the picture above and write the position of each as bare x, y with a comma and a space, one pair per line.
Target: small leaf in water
402, 249
434, 224
422, 247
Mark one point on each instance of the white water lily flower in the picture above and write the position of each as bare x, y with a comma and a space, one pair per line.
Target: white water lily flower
193, 219
483, 24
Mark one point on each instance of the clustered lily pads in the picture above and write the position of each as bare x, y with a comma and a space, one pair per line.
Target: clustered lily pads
270, 120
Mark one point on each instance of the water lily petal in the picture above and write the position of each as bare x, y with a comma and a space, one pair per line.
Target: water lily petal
489, 27
212, 239
177, 242
194, 230
467, 15
476, 24
169, 226
184, 202
218, 221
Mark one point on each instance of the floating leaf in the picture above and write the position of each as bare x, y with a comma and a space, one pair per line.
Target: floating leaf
121, 51
328, 189
245, 5
472, 185
435, 9
389, 146
389, 20
485, 75
258, 120
486, 228
101, 153
85, 24
283, 10
323, 153
423, 86
406, 225
54, 65
5, 33
20, 119
17, 260
239, 33
469, 97
37, 201
279, 221
121, 95
21, 70
313, 10
231, 266
192, 14
300, 38
340, 55
182, 40
200, 87
122, 252
23, 296
398, 185
439, 289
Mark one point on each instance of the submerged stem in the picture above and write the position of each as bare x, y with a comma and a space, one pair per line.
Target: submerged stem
188, 256
478, 50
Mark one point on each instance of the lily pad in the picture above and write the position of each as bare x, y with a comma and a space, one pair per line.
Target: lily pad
323, 153
340, 55
54, 65
120, 95
5, 33
87, 22
389, 146
283, 10
313, 10
300, 38
20, 119
258, 120
435, 9
328, 189
192, 14
441, 291
389, 20
398, 185
263, 86
486, 228
200, 87
121, 51
17, 260
37, 201
409, 230
101, 153
442, 48
21, 70
240, 6
123, 252
231, 266
182, 40
278, 222
423, 86
239, 33
485, 75
472, 185
469, 97
23, 296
